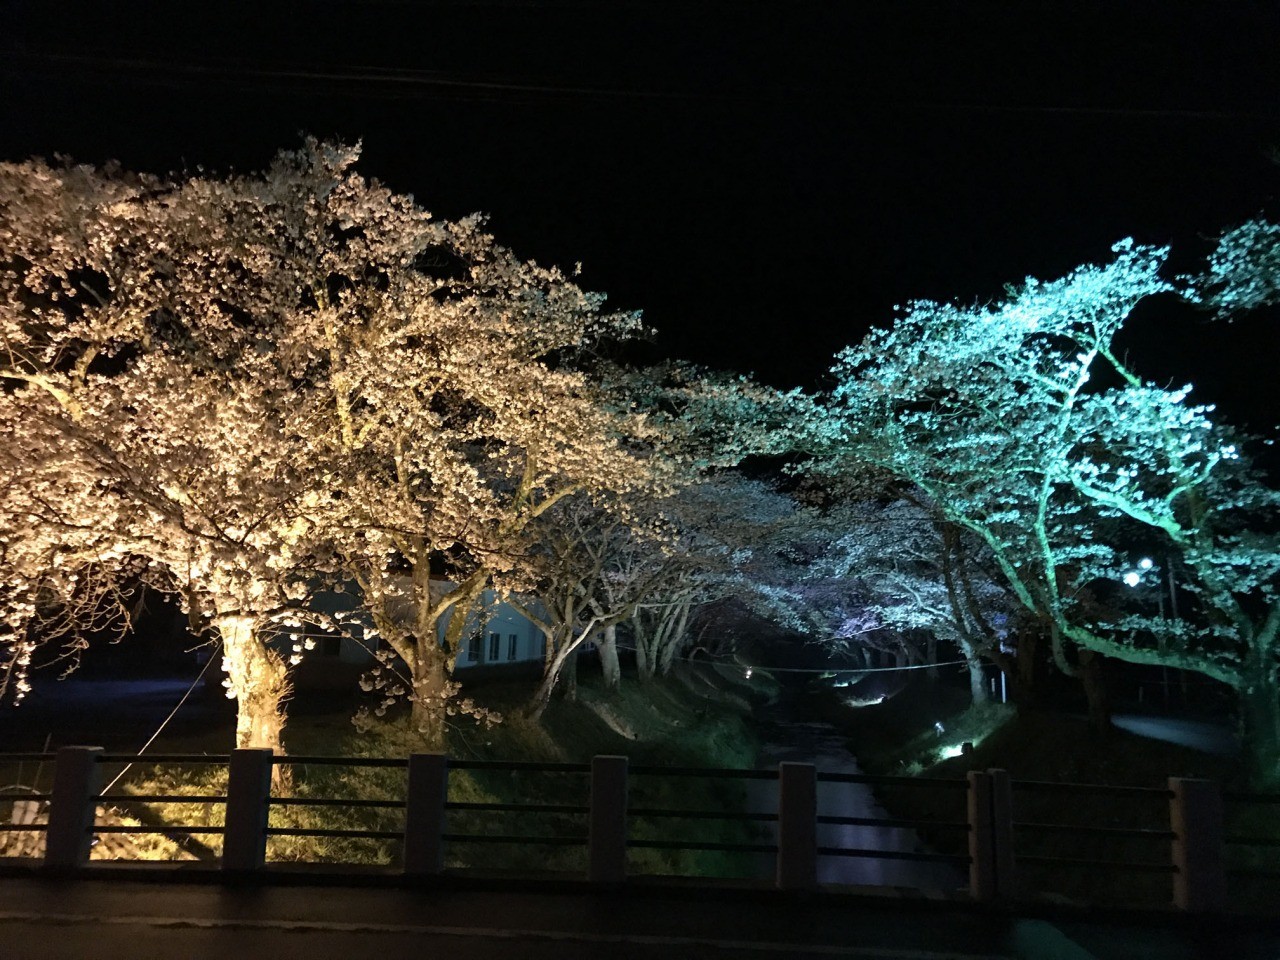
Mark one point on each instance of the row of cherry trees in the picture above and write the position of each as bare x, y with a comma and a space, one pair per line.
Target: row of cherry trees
245, 390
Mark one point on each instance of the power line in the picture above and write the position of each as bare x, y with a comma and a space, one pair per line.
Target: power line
164, 722
459, 86
836, 670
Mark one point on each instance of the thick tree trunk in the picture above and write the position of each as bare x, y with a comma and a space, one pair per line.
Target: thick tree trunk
552, 670
644, 662
977, 682
1026, 692
431, 692
609, 658
1260, 730
1093, 676
259, 679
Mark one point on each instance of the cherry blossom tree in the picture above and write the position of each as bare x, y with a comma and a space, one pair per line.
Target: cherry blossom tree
1022, 422
294, 374
896, 569
149, 407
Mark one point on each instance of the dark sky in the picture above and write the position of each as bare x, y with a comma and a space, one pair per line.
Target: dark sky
765, 180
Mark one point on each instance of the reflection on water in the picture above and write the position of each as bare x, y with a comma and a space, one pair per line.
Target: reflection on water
821, 745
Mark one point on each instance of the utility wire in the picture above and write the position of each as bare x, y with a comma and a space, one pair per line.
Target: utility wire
165, 721
833, 670
465, 87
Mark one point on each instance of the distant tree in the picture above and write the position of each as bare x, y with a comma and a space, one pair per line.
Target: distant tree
1027, 429
905, 571
1243, 272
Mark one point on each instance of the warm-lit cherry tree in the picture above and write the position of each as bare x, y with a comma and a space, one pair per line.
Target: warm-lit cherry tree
462, 417
153, 400
298, 373
1027, 428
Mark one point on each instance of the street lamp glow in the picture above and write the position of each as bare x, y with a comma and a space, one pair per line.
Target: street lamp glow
1132, 578
1146, 563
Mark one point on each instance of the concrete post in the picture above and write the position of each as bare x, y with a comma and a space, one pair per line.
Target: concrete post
797, 826
1195, 818
424, 814
244, 839
1002, 834
73, 807
607, 831
982, 854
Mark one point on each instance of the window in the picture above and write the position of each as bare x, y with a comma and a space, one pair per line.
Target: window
495, 646
473, 648
511, 646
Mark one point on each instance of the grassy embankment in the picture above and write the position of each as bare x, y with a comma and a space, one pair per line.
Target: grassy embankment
899, 737
695, 719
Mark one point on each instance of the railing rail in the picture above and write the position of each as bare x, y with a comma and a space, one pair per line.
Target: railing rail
1195, 839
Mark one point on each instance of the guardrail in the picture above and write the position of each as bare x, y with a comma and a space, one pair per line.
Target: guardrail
1195, 841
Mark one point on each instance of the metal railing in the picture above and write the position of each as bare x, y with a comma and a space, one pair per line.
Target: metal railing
1000, 846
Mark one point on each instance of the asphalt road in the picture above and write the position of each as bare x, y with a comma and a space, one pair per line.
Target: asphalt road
114, 919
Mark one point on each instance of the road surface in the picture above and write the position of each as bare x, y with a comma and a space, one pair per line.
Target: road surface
118, 919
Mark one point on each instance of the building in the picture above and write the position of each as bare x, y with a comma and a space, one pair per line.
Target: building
496, 635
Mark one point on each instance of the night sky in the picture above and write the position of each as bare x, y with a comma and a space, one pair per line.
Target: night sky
764, 180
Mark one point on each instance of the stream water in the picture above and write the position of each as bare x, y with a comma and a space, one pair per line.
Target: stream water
789, 735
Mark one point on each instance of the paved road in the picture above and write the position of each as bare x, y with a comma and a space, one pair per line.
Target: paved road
127, 920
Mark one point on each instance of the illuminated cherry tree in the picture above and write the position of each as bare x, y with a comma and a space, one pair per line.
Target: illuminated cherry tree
1025, 426
289, 380
152, 410
890, 571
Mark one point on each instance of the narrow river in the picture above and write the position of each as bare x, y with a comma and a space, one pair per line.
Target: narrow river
789, 735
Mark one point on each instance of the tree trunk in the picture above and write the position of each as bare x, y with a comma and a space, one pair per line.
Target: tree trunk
258, 677
1026, 691
609, 659
569, 676
977, 682
431, 691
553, 665
1092, 675
1260, 731
644, 662
931, 656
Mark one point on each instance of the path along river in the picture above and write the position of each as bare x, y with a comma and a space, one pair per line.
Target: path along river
789, 735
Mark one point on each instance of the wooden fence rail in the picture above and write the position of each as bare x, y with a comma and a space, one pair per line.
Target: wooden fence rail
1195, 834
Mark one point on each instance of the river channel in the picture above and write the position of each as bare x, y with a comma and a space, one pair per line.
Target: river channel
788, 733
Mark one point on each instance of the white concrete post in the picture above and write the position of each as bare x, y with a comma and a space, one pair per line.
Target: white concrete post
73, 807
1002, 833
982, 859
797, 826
607, 832
1195, 818
244, 839
424, 814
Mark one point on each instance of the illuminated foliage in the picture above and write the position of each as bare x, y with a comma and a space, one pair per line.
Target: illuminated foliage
1024, 426
258, 383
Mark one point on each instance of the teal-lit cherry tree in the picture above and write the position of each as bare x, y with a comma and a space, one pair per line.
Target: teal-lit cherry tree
1025, 426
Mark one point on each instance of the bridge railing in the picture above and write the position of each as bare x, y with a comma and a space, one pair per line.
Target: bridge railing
1193, 852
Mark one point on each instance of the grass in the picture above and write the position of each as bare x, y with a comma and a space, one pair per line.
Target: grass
696, 718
